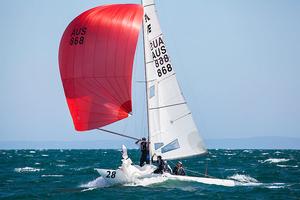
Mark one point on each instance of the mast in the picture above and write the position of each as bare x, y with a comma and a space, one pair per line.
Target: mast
146, 87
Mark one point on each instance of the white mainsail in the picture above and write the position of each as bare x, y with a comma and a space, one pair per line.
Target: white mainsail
172, 131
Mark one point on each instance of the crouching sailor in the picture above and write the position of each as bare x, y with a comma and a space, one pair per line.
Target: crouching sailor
160, 165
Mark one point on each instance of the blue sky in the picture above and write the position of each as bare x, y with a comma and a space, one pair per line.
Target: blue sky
237, 62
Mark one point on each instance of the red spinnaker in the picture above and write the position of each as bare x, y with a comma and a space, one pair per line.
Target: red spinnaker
96, 55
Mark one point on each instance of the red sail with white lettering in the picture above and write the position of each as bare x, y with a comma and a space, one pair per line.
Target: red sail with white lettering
96, 56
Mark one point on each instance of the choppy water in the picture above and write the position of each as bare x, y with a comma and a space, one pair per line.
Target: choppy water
70, 174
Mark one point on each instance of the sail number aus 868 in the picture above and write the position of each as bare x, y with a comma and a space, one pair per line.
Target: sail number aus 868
160, 56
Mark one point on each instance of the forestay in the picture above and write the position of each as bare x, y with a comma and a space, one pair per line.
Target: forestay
172, 131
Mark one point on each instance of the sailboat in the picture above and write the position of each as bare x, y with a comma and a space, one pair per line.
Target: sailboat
96, 57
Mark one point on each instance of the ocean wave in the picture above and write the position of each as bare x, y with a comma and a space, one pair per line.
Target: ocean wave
292, 166
229, 154
97, 183
147, 181
243, 178
27, 169
61, 165
276, 160
81, 168
52, 175
233, 169
274, 185
88, 189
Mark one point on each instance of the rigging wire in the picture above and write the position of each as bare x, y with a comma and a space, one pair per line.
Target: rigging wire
119, 134
195, 172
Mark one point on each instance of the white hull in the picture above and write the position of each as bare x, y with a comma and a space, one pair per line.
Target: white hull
119, 177
134, 174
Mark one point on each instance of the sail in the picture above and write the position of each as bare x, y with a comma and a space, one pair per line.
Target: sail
172, 131
96, 55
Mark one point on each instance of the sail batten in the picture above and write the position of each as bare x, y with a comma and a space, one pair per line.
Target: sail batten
172, 130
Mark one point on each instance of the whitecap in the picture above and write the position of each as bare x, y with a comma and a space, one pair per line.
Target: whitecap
52, 175
230, 154
147, 181
281, 165
37, 163
247, 151
275, 185
97, 183
61, 165
243, 178
45, 155
292, 166
276, 160
80, 168
265, 154
27, 169
230, 169
88, 189
31, 151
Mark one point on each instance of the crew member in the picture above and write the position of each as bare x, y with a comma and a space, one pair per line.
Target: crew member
160, 165
144, 147
178, 169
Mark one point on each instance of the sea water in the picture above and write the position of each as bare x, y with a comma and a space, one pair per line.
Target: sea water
71, 174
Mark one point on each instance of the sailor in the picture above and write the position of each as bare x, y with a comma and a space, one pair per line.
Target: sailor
144, 147
178, 169
160, 165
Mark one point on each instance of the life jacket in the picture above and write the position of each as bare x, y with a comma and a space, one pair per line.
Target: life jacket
180, 171
144, 147
161, 164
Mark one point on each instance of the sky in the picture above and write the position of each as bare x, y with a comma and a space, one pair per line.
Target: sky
237, 62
